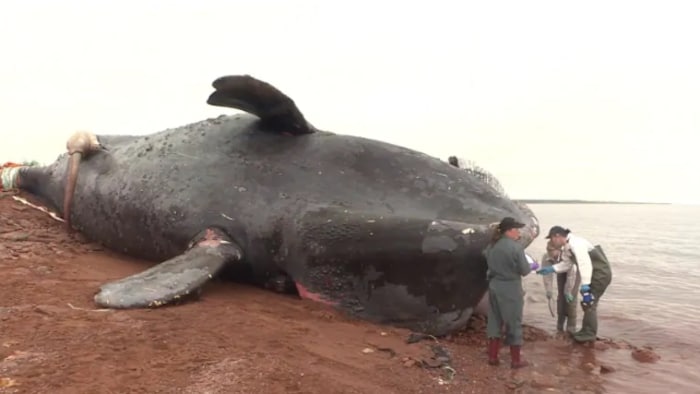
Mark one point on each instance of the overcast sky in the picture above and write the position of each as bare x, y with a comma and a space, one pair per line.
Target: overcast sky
590, 100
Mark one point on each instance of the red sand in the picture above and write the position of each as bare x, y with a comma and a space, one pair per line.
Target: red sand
235, 339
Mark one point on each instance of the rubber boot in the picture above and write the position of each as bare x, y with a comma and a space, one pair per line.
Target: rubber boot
515, 361
589, 326
494, 348
560, 323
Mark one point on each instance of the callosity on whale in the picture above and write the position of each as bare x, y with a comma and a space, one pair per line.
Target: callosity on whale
381, 232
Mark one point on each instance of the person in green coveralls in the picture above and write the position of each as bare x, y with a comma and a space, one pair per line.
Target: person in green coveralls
507, 264
567, 282
595, 271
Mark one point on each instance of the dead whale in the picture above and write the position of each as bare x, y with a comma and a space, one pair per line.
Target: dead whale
381, 232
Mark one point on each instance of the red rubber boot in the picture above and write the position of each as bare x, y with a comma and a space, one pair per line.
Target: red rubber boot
494, 347
515, 361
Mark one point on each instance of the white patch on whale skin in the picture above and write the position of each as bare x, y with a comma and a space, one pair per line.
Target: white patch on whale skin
468, 231
226, 217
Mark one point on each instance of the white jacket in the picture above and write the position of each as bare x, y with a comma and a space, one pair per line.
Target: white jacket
579, 247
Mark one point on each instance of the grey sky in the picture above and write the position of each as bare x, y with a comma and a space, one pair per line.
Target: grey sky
594, 100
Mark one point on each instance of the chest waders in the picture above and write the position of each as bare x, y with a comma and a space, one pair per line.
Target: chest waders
601, 277
566, 311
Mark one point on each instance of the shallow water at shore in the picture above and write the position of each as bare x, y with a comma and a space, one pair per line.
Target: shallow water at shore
653, 298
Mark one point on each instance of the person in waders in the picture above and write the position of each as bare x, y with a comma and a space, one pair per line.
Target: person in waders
567, 283
507, 264
595, 271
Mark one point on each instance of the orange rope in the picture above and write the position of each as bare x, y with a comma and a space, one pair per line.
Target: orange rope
10, 164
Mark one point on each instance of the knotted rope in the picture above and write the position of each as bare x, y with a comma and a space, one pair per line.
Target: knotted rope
8, 176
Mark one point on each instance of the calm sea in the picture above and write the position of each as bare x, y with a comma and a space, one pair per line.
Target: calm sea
654, 298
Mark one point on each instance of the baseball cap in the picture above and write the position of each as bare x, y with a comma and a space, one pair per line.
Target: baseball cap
557, 230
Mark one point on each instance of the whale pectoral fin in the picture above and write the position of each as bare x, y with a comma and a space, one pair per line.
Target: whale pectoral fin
173, 279
276, 111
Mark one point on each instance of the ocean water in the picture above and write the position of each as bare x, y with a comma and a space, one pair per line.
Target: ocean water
654, 298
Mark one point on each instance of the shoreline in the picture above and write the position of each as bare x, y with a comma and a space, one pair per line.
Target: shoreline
554, 201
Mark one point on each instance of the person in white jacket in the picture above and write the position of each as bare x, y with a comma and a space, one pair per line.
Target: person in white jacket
567, 283
595, 271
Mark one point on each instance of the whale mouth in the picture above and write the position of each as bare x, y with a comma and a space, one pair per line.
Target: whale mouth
532, 225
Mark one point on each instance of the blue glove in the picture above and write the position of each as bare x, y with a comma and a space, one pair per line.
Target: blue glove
569, 298
534, 266
547, 270
585, 289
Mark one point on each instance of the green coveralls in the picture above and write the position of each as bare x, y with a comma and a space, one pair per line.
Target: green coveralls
601, 276
506, 267
566, 311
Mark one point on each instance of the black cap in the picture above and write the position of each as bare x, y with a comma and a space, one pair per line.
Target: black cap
508, 223
557, 230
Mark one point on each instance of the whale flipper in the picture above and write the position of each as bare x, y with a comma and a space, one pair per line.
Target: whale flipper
276, 111
173, 279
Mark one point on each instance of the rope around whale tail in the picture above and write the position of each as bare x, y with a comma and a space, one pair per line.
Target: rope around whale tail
8, 176
9, 172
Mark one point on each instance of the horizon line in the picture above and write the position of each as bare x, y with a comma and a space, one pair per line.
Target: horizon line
581, 201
